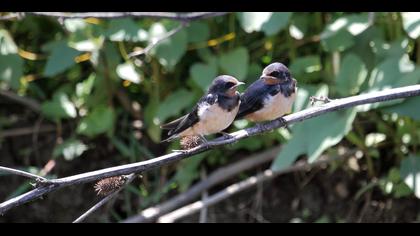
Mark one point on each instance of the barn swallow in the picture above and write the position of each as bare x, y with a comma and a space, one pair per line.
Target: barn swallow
214, 112
269, 97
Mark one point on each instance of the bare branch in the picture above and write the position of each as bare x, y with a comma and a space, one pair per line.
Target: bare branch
7, 170
130, 178
30, 103
157, 41
241, 186
112, 15
337, 104
26, 131
152, 213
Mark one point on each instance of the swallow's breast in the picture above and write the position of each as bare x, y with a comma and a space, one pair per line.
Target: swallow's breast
273, 108
213, 119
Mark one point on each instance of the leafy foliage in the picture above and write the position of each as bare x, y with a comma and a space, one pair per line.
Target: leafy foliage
82, 77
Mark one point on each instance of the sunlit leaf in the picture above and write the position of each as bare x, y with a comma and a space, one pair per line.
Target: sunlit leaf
203, 74
306, 68
59, 107
410, 172
98, 121
268, 22
351, 76
11, 66
125, 30
70, 149
314, 136
61, 58
198, 32
173, 104
128, 72
411, 23
170, 50
235, 63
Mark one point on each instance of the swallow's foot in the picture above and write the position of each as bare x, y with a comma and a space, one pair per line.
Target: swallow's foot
226, 135
283, 122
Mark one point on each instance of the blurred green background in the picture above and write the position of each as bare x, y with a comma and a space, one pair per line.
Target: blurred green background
106, 108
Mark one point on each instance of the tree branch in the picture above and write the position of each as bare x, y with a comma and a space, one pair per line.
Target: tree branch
29, 102
112, 15
130, 178
7, 170
337, 104
241, 186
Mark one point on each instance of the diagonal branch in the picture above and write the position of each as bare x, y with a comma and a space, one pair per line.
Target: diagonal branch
334, 105
241, 186
21, 173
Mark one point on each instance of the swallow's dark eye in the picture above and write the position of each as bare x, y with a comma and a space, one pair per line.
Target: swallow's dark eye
275, 74
229, 85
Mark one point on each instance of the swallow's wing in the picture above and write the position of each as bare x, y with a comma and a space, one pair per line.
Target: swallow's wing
185, 122
253, 98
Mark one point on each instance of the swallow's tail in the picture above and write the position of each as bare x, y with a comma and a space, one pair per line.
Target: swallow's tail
173, 124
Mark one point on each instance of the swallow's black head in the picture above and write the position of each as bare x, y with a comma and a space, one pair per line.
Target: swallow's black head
276, 73
224, 84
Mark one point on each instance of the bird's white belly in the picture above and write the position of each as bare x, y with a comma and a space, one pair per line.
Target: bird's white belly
213, 119
274, 107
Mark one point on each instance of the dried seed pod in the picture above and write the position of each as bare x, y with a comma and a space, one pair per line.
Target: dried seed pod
189, 142
106, 186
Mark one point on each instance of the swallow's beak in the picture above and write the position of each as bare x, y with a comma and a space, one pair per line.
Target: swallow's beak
239, 83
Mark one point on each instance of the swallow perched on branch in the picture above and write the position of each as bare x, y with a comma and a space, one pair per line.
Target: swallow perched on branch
214, 112
270, 97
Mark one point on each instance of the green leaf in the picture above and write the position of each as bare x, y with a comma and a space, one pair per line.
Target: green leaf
170, 50
351, 76
235, 63
174, 104
74, 25
410, 172
99, 121
59, 107
299, 25
61, 58
125, 30
268, 22
306, 67
406, 108
204, 74
392, 73
70, 149
313, 136
128, 72
7, 45
198, 32
339, 42
411, 23
277, 22
11, 69
338, 35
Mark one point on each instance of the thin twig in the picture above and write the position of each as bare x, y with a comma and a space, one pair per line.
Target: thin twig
29, 102
113, 15
7, 170
241, 186
337, 104
220, 175
155, 42
26, 131
130, 178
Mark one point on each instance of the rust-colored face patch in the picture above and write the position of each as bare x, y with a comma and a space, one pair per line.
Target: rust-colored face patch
271, 80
